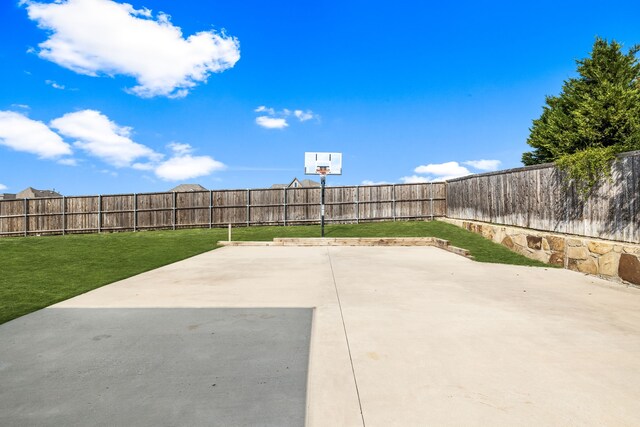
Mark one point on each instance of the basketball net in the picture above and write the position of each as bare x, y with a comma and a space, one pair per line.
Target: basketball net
322, 170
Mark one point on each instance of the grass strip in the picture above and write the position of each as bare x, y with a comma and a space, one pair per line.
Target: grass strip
40, 271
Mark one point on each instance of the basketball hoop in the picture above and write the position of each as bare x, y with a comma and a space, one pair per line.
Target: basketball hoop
323, 170
322, 164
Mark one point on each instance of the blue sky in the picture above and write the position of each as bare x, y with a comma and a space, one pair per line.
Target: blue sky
100, 96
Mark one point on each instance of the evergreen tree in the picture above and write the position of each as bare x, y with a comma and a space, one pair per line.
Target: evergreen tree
596, 116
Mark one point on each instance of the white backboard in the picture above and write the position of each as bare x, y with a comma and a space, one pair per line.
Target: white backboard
312, 161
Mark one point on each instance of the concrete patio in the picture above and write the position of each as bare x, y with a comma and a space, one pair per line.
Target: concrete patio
378, 336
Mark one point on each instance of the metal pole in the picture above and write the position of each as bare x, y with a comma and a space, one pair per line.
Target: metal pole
210, 208
248, 207
393, 198
175, 211
431, 200
322, 183
26, 217
64, 217
135, 212
285, 206
357, 204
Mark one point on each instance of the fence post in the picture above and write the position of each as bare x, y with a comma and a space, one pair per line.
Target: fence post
431, 199
175, 202
446, 200
100, 213
285, 205
248, 207
26, 217
393, 201
210, 208
64, 216
357, 204
135, 211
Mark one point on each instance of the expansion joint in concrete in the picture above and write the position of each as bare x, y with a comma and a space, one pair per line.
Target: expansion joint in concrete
346, 336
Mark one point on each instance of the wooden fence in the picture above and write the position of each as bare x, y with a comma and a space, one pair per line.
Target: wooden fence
217, 208
538, 197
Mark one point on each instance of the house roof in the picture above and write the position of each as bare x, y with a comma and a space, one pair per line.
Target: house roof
188, 187
309, 183
32, 193
303, 183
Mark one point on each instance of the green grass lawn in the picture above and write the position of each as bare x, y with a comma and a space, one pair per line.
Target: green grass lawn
40, 271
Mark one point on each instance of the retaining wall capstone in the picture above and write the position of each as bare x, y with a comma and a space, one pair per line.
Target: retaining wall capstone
608, 259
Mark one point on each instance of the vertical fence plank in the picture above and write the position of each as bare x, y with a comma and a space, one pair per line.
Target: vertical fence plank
64, 215
135, 212
210, 208
175, 210
26, 217
248, 207
357, 204
393, 198
99, 213
284, 208
431, 200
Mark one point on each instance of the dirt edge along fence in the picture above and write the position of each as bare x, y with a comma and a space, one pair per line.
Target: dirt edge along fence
218, 208
538, 197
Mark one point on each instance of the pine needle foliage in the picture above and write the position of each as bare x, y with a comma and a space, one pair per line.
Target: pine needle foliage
595, 117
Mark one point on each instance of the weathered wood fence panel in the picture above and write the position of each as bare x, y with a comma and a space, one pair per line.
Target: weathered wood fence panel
81, 214
533, 197
193, 209
266, 206
217, 208
538, 197
303, 205
14, 217
231, 207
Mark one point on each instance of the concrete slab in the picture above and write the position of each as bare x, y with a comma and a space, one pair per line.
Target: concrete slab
419, 336
155, 367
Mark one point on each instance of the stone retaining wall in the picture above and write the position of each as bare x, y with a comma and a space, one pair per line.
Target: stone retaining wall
354, 241
607, 259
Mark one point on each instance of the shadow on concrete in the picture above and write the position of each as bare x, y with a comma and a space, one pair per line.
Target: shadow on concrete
176, 366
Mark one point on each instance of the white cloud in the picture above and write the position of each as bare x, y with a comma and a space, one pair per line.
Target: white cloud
108, 172
54, 85
179, 148
23, 106
23, 134
3, 187
484, 165
103, 37
102, 138
263, 109
414, 179
68, 162
449, 170
278, 119
443, 169
186, 167
436, 172
271, 122
303, 116
143, 166
369, 182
